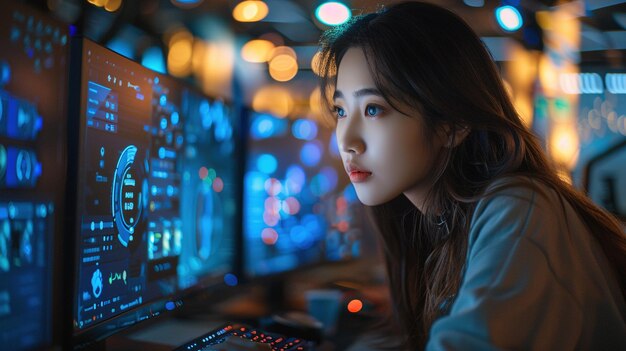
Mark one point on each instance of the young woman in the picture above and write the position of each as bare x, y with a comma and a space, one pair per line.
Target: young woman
485, 246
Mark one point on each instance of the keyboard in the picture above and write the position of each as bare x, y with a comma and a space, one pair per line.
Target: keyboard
235, 333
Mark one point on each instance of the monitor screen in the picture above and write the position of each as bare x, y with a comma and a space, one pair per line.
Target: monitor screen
299, 207
211, 186
144, 220
33, 84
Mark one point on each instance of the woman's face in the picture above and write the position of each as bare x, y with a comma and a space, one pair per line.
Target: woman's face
385, 152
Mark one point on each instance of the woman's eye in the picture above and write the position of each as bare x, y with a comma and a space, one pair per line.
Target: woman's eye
340, 112
373, 110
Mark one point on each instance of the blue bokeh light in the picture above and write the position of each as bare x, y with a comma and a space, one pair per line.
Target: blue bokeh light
350, 194
205, 114
231, 279
295, 179
175, 118
267, 163
331, 176
255, 181
300, 236
333, 146
311, 154
304, 129
218, 111
509, 18
265, 126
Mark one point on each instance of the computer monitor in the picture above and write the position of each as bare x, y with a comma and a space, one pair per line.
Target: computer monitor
299, 207
211, 191
33, 85
139, 206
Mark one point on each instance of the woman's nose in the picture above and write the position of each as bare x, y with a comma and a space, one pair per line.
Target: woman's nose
349, 136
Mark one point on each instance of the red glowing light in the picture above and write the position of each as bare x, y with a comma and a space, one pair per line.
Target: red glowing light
273, 186
343, 226
271, 219
342, 205
355, 306
269, 236
292, 205
218, 185
272, 205
203, 172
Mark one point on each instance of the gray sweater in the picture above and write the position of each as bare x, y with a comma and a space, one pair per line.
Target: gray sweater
535, 279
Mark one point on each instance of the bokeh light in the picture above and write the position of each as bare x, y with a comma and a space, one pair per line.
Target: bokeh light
250, 11
273, 99
333, 13
355, 306
509, 18
304, 129
311, 153
269, 236
291, 205
267, 163
231, 279
295, 179
265, 126
273, 186
180, 53
203, 172
257, 50
218, 185
283, 67
113, 5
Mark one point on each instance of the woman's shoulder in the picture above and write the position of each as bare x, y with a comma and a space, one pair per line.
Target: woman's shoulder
518, 191
517, 207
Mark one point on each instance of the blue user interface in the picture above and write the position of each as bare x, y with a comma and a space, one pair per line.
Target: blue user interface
32, 172
157, 196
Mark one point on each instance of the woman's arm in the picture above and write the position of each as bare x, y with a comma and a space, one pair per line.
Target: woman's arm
510, 297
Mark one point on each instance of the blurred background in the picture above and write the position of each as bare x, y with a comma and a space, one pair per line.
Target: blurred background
554, 56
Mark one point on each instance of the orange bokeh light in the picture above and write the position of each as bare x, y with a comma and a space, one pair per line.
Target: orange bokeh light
355, 306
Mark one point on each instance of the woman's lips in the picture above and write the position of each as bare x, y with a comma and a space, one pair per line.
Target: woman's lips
359, 176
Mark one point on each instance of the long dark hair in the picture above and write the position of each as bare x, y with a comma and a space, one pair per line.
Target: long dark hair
427, 58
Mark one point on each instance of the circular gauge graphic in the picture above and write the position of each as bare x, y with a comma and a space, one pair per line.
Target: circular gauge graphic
5, 245
126, 195
209, 220
3, 161
26, 243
